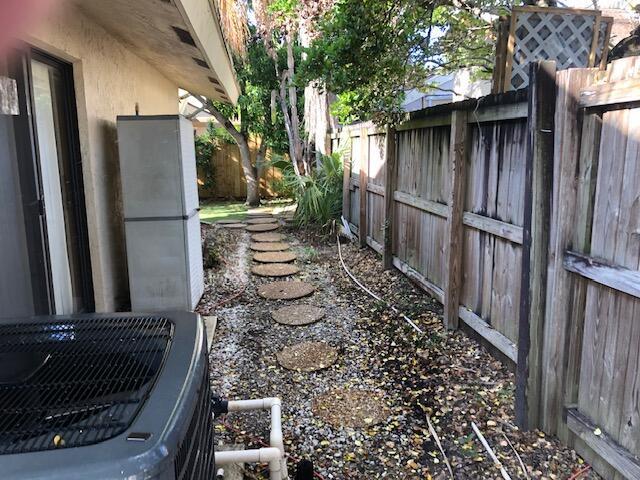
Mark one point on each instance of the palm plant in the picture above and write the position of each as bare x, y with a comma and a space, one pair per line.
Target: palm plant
319, 194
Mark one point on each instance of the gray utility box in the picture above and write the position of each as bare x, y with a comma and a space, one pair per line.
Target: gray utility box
162, 226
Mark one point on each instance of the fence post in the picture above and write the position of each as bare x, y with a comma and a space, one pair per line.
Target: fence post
390, 180
570, 223
535, 246
364, 179
346, 185
458, 151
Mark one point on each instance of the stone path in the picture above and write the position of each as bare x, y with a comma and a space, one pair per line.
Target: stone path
360, 408
305, 356
308, 332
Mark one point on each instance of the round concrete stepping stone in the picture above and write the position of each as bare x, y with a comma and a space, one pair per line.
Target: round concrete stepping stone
269, 246
227, 222
297, 314
274, 270
234, 225
267, 237
307, 356
265, 227
349, 407
260, 221
285, 290
275, 257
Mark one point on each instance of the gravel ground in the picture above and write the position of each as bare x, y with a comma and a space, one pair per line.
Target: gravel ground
446, 376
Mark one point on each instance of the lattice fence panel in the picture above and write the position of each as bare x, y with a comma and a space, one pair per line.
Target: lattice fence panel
563, 35
602, 45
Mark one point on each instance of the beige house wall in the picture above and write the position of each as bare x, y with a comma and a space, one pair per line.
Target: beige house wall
109, 80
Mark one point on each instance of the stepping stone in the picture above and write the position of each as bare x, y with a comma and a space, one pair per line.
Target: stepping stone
350, 407
267, 237
275, 270
285, 290
227, 222
259, 213
269, 246
234, 225
307, 356
265, 227
297, 314
275, 257
259, 221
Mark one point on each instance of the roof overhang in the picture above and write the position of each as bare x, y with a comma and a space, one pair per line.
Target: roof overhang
182, 39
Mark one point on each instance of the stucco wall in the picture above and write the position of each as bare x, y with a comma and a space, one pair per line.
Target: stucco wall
110, 80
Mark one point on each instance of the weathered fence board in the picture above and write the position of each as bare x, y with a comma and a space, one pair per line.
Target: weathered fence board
229, 179
412, 205
544, 229
592, 334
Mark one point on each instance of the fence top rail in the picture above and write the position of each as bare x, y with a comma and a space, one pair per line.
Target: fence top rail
492, 100
493, 107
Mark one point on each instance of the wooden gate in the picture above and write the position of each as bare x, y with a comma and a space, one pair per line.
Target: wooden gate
591, 359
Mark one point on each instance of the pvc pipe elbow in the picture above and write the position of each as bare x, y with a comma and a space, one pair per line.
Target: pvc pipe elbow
270, 402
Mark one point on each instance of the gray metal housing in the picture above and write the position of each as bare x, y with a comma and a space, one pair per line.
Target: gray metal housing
165, 415
162, 227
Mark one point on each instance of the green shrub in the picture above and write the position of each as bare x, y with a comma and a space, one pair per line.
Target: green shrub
206, 144
283, 187
318, 195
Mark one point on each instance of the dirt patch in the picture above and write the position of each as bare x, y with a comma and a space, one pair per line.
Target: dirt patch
307, 356
350, 408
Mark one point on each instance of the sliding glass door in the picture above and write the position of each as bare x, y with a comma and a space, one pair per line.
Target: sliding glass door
45, 135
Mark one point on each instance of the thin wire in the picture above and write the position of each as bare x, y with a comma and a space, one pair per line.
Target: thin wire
355, 280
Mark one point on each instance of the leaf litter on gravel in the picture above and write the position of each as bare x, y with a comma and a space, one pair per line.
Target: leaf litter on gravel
447, 375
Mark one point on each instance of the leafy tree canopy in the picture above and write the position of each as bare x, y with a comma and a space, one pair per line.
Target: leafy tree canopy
256, 75
370, 51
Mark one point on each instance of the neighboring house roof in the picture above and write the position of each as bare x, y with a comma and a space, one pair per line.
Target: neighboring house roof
181, 38
446, 89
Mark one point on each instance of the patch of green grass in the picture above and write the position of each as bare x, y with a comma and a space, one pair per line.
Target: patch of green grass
214, 211
309, 254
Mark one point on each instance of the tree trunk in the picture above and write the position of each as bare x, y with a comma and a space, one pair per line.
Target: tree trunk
250, 172
250, 175
293, 103
287, 122
318, 121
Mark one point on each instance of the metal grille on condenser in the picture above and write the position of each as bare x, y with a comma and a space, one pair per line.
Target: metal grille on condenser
76, 381
195, 455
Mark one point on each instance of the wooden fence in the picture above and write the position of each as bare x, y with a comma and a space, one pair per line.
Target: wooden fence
229, 177
502, 210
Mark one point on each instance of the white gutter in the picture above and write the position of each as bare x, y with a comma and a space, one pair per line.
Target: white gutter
204, 26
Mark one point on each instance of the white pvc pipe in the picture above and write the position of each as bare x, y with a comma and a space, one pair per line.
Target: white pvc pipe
378, 298
246, 405
278, 465
260, 455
